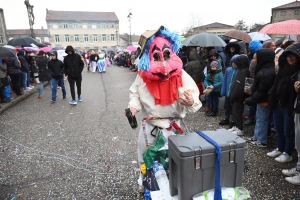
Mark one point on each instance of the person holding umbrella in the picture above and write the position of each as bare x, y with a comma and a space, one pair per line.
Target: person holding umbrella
15, 73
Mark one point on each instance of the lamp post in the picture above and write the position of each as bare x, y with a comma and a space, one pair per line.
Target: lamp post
129, 19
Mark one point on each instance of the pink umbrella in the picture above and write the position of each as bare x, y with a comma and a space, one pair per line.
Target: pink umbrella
45, 49
131, 48
289, 27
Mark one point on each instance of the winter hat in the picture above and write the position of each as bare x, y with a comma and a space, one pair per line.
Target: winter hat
232, 40
214, 64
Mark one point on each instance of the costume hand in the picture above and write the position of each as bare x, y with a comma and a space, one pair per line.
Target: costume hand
297, 86
187, 100
211, 87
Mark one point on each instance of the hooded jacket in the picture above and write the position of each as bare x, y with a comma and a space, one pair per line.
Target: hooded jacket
56, 67
283, 92
242, 47
237, 93
229, 78
254, 45
193, 68
222, 55
13, 65
44, 74
264, 76
218, 79
73, 64
24, 64
229, 54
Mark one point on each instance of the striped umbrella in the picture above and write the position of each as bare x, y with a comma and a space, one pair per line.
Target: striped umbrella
288, 27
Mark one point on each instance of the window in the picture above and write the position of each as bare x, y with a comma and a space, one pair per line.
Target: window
112, 26
57, 38
296, 12
86, 38
94, 26
103, 26
76, 38
42, 39
95, 38
67, 38
66, 26
112, 37
75, 26
84, 26
55, 26
104, 37
104, 47
1, 39
282, 13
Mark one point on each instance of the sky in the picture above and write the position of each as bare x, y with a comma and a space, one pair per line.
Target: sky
148, 14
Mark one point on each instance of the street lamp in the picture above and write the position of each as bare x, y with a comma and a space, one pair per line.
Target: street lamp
129, 19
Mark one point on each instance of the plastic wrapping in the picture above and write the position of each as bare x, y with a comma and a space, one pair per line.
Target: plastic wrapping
237, 193
248, 84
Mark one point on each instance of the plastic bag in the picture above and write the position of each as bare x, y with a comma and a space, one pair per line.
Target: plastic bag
207, 91
248, 84
237, 193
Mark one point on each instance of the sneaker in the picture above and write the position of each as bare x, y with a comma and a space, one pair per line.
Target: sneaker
39, 97
293, 180
208, 113
284, 157
52, 101
31, 86
73, 102
252, 139
212, 114
258, 144
232, 129
224, 122
248, 122
28, 89
291, 172
231, 124
274, 153
79, 99
238, 132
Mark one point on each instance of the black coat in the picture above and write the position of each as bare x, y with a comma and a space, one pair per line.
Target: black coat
283, 92
24, 64
264, 77
13, 66
73, 64
193, 68
44, 74
237, 91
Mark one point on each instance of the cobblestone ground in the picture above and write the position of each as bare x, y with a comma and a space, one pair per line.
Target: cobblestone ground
88, 151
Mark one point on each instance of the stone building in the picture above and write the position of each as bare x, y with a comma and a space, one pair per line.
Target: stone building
286, 12
83, 30
3, 31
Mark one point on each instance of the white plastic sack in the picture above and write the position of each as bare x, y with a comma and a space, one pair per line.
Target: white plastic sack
238, 193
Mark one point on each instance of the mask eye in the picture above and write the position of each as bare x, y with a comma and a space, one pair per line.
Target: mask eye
166, 54
156, 57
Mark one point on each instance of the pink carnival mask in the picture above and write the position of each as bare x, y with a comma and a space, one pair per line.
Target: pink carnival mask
164, 63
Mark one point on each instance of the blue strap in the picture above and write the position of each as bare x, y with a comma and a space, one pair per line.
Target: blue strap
218, 187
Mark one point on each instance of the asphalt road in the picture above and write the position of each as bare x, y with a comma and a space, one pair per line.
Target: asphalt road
88, 151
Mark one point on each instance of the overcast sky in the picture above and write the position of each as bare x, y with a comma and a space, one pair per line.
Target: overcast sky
148, 14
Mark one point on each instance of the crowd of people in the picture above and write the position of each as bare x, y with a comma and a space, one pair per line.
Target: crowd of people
260, 75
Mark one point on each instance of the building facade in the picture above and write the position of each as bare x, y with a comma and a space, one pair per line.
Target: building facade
214, 28
41, 35
83, 30
286, 12
3, 31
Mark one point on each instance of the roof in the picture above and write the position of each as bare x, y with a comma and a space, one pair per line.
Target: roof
52, 15
27, 31
289, 5
215, 25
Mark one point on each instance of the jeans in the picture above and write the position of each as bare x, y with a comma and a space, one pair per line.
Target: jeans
72, 86
28, 79
54, 83
24, 80
284, 126
262, 123
251, 112
214, 101
228, 108
41, 87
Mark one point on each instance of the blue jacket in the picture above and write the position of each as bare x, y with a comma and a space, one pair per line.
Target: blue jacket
229, 78
218, 79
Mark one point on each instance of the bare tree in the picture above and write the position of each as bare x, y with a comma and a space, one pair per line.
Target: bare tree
193, 25
126, 38
256, 27
241, 25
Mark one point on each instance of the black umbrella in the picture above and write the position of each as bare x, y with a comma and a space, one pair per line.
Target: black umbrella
204, 40
24, 41
7, 52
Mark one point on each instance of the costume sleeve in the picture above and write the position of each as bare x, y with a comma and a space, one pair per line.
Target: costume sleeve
134, 94
190, 85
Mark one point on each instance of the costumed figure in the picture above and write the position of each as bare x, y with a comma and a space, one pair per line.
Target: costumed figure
101, 63
162, 91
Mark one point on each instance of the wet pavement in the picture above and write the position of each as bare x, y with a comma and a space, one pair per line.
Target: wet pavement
88, 151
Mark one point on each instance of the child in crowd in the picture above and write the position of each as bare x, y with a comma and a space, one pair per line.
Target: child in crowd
213, 81
237, 96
